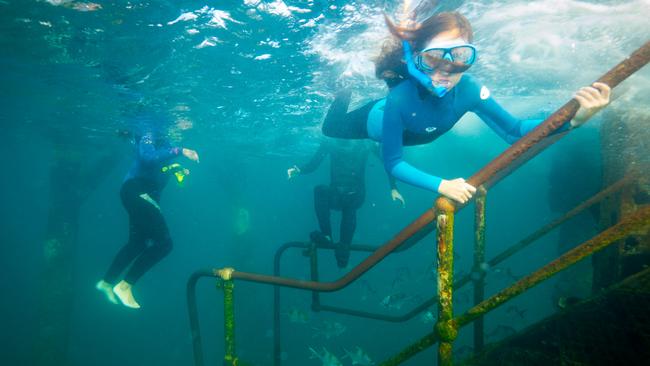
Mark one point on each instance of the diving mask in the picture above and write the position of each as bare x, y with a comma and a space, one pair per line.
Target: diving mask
454, 59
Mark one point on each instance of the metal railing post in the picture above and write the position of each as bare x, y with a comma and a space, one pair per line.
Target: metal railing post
478, 272
444, 327
313, 263
228, 286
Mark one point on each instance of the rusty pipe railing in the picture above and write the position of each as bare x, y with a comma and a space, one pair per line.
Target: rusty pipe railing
498, 168
191, 284
316, 306
421, 223
277, 261
457, 284
638, 221
197, 346
520, 245
493, 171
522, 151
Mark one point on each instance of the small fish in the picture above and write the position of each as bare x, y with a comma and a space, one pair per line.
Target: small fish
427, 317
399, 300
329, 330
366, 290
506, 273
394, 301
296, 315
516, 310
358, 357
326, 358
565, 302
402, 276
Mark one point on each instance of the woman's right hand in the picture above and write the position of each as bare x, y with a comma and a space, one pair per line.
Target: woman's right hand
457, 189
191, 154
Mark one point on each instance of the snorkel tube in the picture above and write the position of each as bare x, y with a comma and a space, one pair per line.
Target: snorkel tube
418, 75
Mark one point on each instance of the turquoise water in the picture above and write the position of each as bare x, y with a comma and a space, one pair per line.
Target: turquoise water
246, 84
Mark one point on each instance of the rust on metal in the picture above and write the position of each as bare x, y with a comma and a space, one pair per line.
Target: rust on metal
636, 222
492, 263
445, 329
557, 222
230, 359
421, 222
415, 348
479, 258
225, 273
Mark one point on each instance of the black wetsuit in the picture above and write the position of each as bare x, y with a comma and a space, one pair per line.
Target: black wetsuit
149, 239
346, 191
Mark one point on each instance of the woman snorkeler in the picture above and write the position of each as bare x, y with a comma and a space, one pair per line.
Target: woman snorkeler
429, 93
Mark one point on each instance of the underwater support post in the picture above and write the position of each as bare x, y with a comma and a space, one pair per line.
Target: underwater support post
228, 286
478, 271
444, 327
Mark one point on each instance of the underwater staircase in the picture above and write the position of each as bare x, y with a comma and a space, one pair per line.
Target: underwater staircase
558, 331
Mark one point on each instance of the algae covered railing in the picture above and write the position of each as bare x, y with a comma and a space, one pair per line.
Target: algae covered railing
442, 215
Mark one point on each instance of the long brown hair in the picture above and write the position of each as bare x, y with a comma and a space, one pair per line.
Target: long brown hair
389, 66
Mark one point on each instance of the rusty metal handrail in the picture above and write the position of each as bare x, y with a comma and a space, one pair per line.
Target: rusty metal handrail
636, 222
520, 245
516, 155
421, 224
520, 152
497, 169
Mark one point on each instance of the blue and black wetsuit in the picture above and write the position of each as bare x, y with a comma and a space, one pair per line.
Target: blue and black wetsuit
346, 191
410, 115
140, 196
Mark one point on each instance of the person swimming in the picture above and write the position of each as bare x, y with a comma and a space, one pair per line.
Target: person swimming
140, 194
429, 93
346, 191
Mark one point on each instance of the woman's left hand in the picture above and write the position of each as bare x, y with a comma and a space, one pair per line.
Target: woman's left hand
592, 99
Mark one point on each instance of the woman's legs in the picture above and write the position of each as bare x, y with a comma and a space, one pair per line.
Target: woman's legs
134, 247
145, 223
161, 246
339, 123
